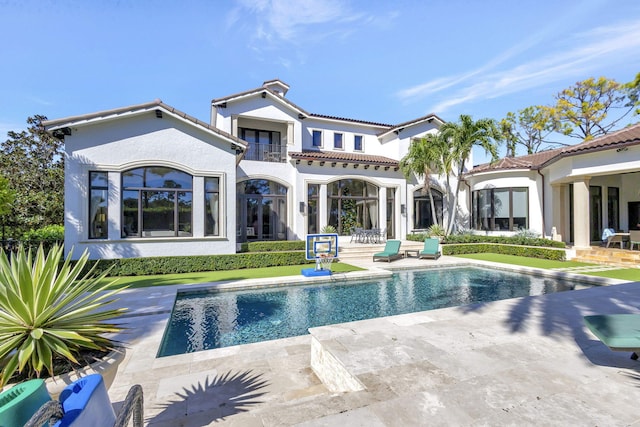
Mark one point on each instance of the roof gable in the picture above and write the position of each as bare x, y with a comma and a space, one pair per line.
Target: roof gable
624, 137
59, 127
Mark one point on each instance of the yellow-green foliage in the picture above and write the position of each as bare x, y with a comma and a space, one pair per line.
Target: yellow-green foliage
48, 308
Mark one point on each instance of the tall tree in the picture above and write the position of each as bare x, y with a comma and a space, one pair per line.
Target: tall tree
529, 128
581, 111
425, 158
33, 163
462, 136
633, 93
7, 197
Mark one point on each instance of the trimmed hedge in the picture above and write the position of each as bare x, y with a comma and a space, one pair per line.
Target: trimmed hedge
475, 238
193, 264
526, 251
281, 245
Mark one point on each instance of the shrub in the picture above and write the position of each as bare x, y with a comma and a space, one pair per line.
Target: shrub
193, 264
328, 229
508, 240
47, 236
436, 231
48, 309
526, 251
281, 245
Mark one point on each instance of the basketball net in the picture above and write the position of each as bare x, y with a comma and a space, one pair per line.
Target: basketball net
323, 261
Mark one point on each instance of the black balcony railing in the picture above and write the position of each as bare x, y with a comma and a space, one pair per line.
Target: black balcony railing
266, 153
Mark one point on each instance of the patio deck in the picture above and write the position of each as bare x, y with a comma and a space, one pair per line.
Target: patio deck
523, 361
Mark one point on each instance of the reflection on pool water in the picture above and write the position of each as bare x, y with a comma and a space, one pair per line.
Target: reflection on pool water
207, 320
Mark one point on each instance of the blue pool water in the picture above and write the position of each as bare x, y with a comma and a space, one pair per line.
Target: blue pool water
202, 321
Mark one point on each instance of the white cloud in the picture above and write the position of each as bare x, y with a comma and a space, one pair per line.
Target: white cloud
294, 21
614, 44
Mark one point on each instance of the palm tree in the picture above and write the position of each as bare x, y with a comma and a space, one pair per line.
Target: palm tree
462, 137
425, 157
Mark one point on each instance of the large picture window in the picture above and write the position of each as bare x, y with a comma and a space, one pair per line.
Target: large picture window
422, 215
98, 204
500, 209
353, 203
156, 202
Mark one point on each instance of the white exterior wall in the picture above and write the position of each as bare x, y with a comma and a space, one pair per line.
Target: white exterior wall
267, 113
126, 143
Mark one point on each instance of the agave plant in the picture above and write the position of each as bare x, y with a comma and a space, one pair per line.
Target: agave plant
49, 309
436, 231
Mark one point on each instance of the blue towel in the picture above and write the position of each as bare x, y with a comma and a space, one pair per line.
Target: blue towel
607, 232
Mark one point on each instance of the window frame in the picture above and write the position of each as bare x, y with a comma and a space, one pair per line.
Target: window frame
205, 210
491, 226
141, 191
315, 132
355, 137
105, 222
335, 140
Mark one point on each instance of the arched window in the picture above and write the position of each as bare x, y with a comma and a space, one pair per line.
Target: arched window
261, 210
156, 202
422, 214
353, 203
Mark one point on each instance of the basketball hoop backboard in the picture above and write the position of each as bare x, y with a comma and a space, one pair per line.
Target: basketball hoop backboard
321, 244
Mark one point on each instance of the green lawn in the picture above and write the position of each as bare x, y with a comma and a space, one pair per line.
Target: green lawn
524, 261
216, 276
631, 274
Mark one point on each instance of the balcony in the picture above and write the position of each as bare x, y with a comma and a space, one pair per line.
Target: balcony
266, 153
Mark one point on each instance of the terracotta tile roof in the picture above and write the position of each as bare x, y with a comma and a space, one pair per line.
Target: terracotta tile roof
122, 111
530, 161
624, 137
333, 156
343, 119
627, 136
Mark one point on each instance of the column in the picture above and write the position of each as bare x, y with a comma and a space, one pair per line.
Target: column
322, 207
558, 212
581, 214
382, 208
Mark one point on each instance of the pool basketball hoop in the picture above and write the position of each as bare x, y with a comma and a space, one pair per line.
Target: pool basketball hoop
323, 249
323, 261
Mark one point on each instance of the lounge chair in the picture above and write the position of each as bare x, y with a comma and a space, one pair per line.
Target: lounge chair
616, 238
391, 251
430, 249
619, 332
634, 238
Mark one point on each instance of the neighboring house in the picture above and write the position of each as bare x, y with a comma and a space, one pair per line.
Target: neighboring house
569, 193
149, 180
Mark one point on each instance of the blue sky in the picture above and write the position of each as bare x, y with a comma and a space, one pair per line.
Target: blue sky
383, 61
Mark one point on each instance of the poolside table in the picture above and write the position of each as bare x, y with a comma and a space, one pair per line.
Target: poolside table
408, 252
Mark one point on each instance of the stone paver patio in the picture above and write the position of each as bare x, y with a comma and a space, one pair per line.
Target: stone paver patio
525, 361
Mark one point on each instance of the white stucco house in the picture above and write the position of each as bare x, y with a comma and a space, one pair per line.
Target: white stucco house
149, 180
570, 193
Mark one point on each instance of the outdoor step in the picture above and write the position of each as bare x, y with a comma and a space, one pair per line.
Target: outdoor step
609, 256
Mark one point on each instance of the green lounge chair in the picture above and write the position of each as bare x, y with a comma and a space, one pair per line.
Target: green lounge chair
430, 249
391, 251
619, 332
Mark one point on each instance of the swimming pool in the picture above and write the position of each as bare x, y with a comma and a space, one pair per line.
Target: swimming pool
207, 320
